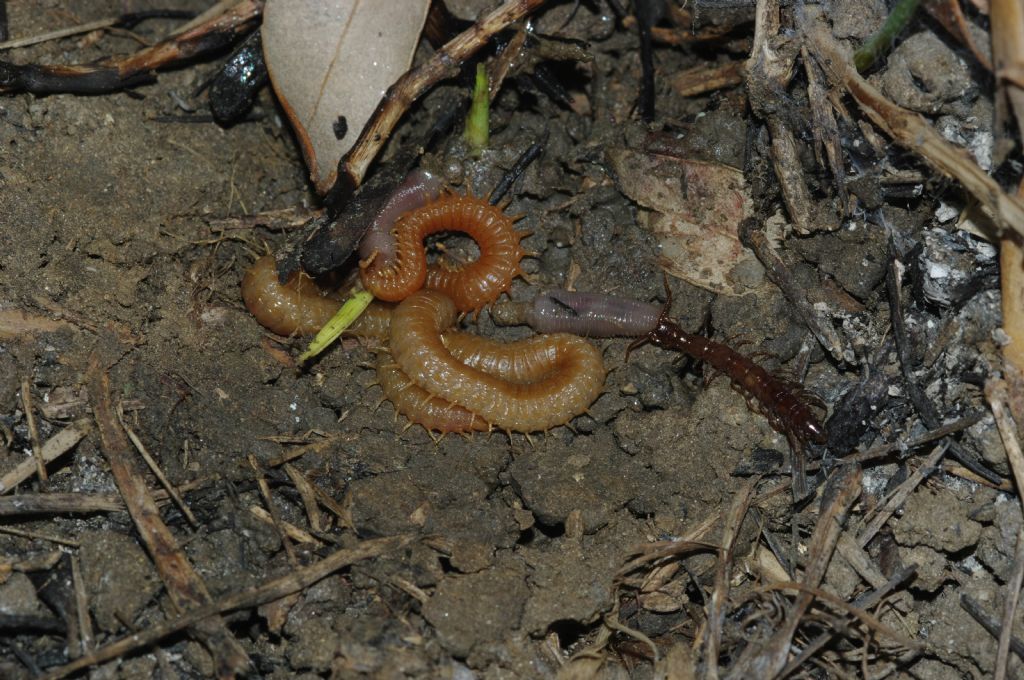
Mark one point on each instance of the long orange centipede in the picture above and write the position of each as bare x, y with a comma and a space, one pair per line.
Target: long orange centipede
470, 286
526, 386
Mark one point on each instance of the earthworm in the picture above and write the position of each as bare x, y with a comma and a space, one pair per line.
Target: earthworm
417, 189
529, 385
471, 286
298, 307
599, 315
589, 314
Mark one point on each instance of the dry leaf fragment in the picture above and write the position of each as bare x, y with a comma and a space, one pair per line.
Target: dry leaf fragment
333, 60
695, 209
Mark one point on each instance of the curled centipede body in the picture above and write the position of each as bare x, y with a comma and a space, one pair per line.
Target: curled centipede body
298, 307
530, 385
395, 272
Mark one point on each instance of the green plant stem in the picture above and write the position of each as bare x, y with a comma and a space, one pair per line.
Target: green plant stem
478, 123
880, 42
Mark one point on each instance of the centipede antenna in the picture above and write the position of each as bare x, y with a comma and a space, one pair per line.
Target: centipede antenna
635, 345
366, 262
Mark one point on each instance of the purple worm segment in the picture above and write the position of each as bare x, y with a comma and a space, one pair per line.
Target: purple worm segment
417, 189
593, 315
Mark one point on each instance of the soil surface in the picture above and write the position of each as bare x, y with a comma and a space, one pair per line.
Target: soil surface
125, 236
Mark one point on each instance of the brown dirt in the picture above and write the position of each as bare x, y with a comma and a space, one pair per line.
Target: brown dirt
120, 225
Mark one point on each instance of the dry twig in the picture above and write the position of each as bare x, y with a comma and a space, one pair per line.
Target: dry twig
997, 393
411, 86
273, 589
184, 585
910, 129
766, 661
720, 595
55, 447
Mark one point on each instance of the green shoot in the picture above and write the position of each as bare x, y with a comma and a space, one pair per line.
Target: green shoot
333, 329
881, 41
477, 123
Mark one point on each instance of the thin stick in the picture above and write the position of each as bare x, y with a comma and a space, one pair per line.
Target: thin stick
116, 73
308, 495
1010, 608
767, 660
55, 447
282, 533
1007, 22
38, 536
295, 533
59, 33
720, 595
268, 591
185, 587
900, 495
865, 601
83, 622
411, 86
817, 322
33, 430
998, 395
989, 623
154, 467
910, 129
883, 450
995, 392
58, 504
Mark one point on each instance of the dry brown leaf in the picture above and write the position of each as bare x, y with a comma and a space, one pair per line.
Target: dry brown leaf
333, 58
695, 209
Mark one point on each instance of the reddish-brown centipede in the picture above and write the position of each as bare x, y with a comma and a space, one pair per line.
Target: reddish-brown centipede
596, 315
777, 399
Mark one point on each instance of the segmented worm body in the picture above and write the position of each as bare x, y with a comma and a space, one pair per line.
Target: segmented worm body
596, 315
593, 315
394, 275
417, 189
530, 385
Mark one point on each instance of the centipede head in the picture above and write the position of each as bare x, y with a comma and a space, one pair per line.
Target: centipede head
810, 430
